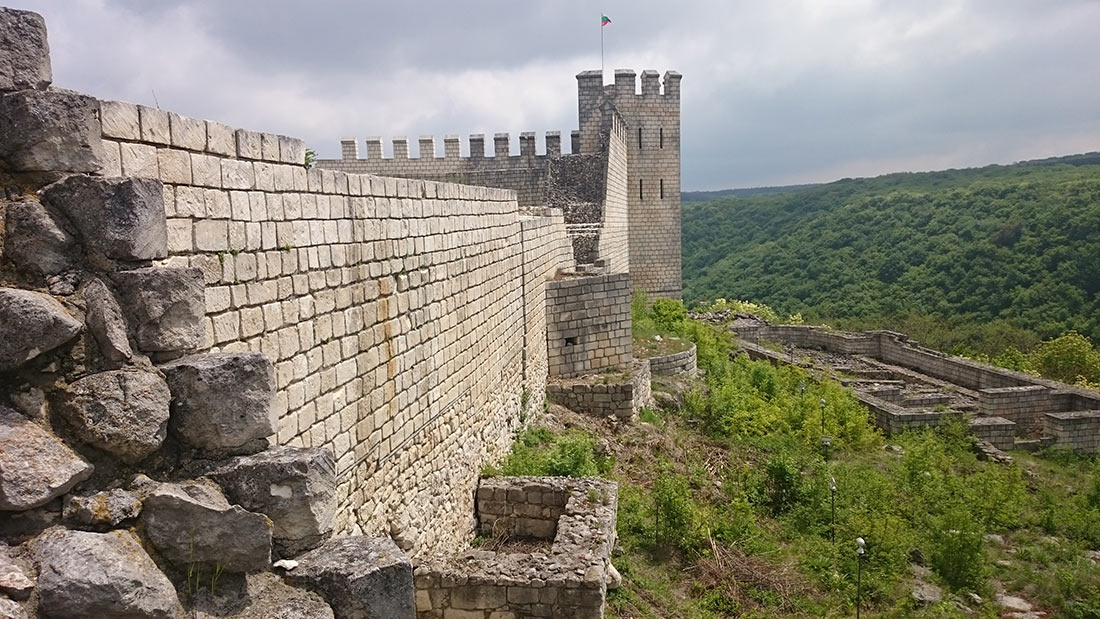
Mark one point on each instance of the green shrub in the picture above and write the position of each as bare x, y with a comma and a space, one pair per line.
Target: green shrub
669, 314
676, 516
1068, 358
781, 486
956, 542
538, 451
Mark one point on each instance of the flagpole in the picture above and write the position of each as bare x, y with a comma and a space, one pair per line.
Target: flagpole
601, 45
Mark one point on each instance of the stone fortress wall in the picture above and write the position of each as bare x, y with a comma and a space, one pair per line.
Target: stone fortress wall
618, 187
392, 308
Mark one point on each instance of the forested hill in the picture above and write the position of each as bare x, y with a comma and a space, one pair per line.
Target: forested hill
744, 192
999, 248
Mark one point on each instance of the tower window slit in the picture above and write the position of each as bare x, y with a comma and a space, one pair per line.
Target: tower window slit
639, 138
640, 195
661, 134
662, 189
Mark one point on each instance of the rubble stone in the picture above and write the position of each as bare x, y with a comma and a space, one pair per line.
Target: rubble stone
264, 596
164, 307
86, 575
34, 241
106, 323
191, 523
14, 581
35, 467
294, 487
10, 609
50, 131
361, 577
222, 400
121, 218
122, 412
24, 51
106, 508
31, 323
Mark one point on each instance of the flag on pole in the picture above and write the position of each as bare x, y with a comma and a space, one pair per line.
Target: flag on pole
604, 20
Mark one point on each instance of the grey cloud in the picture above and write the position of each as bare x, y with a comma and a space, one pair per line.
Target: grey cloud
787, 91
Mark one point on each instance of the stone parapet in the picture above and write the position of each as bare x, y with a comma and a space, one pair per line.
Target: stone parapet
679, 363
619, 393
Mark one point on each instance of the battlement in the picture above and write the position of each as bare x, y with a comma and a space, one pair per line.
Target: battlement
452, 147
590, 85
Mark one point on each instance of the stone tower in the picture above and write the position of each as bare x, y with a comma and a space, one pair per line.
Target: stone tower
653, 163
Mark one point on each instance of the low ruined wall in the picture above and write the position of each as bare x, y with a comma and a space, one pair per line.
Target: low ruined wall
588, 324
1025, 406
619, 393
676, 363
527, 510
393, 309
997, 431
1078, 430
1009, 401
567, 580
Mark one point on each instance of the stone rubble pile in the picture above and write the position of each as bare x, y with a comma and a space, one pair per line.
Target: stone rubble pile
137, 477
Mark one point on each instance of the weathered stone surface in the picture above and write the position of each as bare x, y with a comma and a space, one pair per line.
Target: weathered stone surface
34, 241
361, 577
50, 131
100, 576
164, 307
222, 400
15, 581
122, 412
31, 323
121, 218
294, 487
192, 523
11, 610
106, 508
35, 467
263, 596
926, 593
106, 323
24, 51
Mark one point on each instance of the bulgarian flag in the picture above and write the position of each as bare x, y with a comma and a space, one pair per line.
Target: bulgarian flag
604, 20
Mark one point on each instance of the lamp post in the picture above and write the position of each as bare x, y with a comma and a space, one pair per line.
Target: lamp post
826, 443
823, 415
860, 550
832, 516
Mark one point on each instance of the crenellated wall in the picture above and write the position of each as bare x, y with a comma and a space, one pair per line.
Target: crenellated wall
526, 173
619, 190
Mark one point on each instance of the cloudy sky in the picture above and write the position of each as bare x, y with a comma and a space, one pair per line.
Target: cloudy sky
774, 91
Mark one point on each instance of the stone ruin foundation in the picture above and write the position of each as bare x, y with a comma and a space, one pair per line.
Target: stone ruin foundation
906, 385
574, 522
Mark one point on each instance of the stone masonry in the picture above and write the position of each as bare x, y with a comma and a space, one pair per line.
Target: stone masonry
589, 326
568, 579
1004, 406
214, 356
619, 188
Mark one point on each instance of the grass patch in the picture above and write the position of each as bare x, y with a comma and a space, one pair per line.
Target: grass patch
540, 452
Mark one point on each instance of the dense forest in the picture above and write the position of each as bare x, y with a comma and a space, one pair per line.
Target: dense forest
978, 259
745, 192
